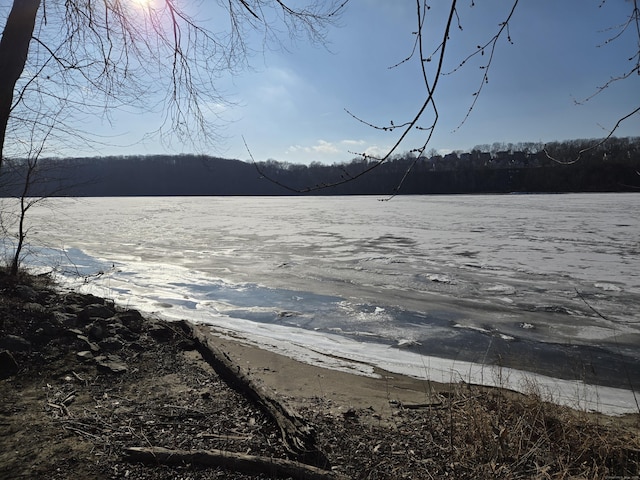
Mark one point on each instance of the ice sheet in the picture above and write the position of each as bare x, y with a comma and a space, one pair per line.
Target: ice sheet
454, 282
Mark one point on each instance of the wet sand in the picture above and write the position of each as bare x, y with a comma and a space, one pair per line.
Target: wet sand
300, 383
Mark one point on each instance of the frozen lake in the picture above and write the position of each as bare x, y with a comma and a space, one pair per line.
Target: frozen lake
474, 288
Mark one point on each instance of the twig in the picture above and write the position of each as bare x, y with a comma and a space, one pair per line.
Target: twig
81, 432
59, 406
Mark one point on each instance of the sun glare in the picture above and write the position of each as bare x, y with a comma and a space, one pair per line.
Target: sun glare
142, 3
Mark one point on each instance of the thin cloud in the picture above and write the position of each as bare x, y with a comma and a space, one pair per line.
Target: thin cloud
354, 143
325, 147
321, 147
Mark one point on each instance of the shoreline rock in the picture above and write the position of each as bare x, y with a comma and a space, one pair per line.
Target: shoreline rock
91, 328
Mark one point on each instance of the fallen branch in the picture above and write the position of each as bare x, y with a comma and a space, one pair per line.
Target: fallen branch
81, 432
297, 435
418, 406
239, 462
61, 407
241, 438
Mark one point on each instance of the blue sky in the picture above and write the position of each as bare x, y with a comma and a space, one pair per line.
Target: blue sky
291, 105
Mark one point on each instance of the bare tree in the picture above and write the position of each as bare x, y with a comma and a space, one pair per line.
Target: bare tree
32, 182
29, 170
95, 57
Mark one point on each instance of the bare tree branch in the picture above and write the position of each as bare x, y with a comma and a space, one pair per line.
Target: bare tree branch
430, 83
113, 54
578, 157
632, 23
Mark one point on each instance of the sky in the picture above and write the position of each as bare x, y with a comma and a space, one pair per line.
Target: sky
291, 105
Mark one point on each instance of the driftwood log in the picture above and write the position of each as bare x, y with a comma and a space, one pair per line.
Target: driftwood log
297, 435
239, 462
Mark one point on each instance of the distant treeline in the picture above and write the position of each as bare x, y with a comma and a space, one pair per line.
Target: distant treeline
613, 166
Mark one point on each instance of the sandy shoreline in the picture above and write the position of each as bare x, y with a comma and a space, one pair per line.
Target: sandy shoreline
298, 381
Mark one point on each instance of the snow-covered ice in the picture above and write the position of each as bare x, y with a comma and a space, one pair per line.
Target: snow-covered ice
446, 287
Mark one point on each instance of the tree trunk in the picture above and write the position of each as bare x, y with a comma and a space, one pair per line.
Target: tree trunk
238, 462
14, 48
25, 204
298, 436
15, 263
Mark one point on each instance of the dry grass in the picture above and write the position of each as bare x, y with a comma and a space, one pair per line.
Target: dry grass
475, 432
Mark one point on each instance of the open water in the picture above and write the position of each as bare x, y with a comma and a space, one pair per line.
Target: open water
490, 289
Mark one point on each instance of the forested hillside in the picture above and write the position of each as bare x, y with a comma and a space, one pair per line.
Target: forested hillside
611, 167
